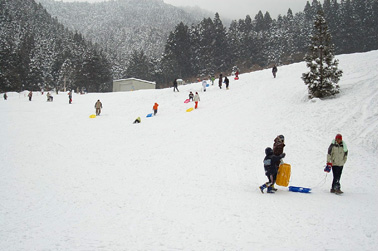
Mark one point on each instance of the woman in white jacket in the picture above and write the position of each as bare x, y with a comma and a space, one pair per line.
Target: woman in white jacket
196, 99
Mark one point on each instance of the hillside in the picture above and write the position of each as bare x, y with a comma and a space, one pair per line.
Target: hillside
189, 181
122, 26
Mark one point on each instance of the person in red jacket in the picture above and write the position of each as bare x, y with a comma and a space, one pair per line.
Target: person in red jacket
155, 108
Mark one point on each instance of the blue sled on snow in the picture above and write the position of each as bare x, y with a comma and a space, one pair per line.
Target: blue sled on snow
149, 115
299, 189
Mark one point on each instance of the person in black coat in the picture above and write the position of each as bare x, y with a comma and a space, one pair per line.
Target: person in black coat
227, 82
274, 71
175, 85
220, 81
270, 165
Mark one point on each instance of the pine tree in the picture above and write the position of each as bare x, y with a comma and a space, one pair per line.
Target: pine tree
324, 73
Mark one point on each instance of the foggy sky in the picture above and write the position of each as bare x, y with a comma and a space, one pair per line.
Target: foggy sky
237, 9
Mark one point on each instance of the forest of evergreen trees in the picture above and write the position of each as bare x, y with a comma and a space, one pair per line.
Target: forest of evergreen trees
209, 48
38, 52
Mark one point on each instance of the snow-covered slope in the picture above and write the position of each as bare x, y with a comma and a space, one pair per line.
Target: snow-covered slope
189, 181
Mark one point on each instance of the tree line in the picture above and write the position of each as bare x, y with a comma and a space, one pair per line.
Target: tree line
209, 48
37, 52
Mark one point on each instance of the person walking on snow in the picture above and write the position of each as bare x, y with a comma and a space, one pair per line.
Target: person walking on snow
69, 97
98, 107
278, 149
212, 78
270, 167
196, 99
175, 85
336, 158
204, 83
274, 71
5, 96
226, 81
191, 95
30, 95
220, 81
155, 108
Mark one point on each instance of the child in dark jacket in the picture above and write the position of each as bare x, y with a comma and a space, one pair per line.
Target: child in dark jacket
270, 165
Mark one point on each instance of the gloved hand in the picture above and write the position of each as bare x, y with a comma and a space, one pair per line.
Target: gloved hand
328, 167
283, 155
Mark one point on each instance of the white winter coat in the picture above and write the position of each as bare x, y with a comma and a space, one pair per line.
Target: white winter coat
196, 98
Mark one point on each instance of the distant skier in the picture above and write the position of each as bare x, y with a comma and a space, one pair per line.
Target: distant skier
226, 81
336, 158
69, 97
5, 96
30, 95
155, 108
274, 71
236, 75
204, 84
220, 81
98, 106
175, 85
137, 120
191, 95
270, 166
196, 99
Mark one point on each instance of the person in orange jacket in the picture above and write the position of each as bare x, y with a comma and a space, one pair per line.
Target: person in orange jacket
155, 108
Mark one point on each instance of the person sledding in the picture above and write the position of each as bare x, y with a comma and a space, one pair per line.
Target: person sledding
336, 158
270, 166
137, 120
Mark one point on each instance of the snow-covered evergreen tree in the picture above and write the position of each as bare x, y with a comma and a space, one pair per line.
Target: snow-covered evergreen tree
324, 75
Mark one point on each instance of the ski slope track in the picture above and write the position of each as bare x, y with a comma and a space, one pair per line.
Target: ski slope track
189, 180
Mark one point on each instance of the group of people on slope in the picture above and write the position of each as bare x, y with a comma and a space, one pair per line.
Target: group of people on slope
336, 157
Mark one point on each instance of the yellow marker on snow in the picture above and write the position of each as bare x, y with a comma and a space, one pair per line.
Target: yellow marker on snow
190, 109
92, 116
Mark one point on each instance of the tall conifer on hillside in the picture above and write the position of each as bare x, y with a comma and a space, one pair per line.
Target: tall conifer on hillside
324, 73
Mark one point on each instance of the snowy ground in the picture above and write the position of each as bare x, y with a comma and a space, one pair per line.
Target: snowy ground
189, 181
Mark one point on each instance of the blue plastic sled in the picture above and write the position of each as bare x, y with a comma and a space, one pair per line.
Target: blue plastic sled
149, 115
299, 189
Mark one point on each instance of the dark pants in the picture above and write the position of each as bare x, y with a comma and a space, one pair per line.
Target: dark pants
175, 88
272, 176
155, 111
337, 171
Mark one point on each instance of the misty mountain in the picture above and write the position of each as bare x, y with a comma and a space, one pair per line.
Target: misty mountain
123, 26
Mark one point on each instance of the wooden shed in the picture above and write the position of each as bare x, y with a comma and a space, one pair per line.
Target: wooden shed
132, 84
